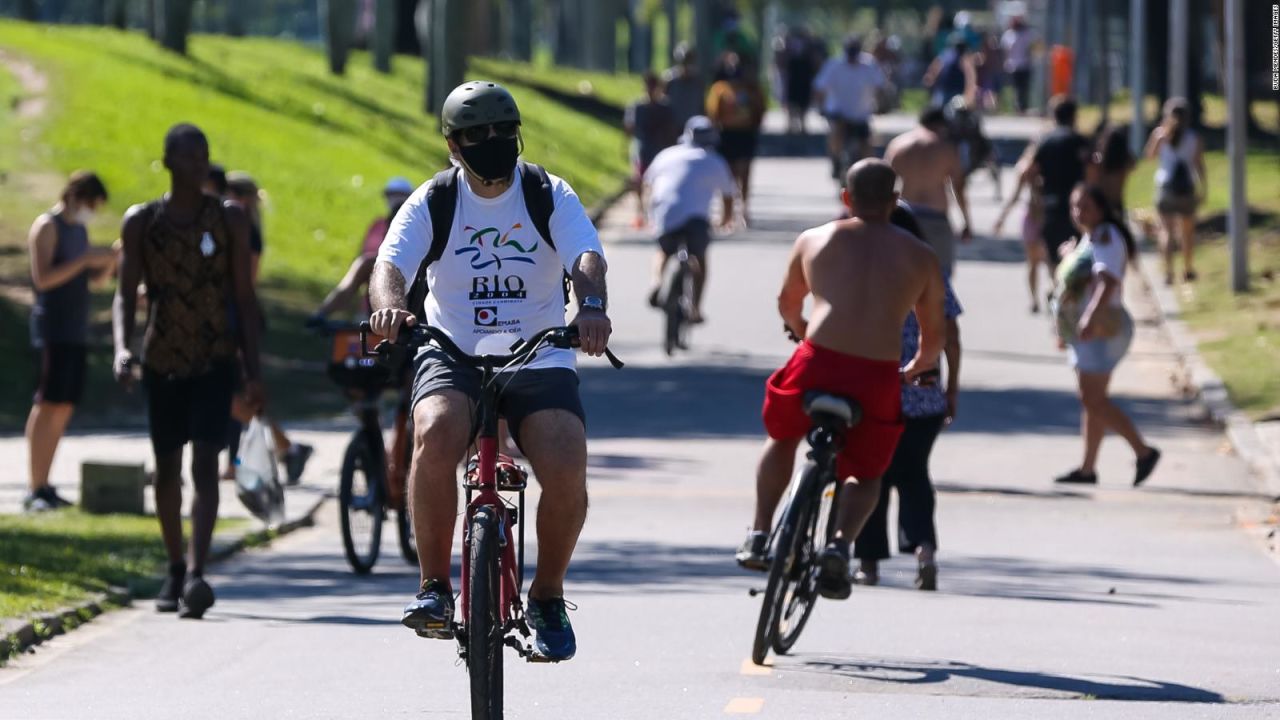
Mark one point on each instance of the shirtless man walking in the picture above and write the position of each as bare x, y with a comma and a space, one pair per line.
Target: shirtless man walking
927, 161
865, 276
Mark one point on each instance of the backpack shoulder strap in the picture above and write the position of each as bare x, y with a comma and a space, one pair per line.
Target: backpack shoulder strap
535, 183
442, 204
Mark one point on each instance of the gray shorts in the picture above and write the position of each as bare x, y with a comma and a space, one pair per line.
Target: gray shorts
1104, 354
523, 393
1171, 203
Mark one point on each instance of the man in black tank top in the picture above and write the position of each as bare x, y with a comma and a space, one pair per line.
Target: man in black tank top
193, 254
62, 264
1059, 163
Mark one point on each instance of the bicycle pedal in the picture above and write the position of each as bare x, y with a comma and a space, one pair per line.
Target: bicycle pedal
435, 633
534, 656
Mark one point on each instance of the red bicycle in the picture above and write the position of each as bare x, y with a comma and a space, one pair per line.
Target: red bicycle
492, 559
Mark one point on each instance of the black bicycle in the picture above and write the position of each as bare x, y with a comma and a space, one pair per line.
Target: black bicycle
677, 301
807, 525
373, 480
492, 610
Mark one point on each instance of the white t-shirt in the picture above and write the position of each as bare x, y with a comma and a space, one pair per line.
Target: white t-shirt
1017, 47
849, 88
497, 281
1170, 156
1110, 257
683, 179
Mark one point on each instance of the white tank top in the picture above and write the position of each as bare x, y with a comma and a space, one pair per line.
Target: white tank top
1170, 155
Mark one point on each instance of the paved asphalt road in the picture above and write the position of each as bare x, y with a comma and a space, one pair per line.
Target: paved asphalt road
1094, 603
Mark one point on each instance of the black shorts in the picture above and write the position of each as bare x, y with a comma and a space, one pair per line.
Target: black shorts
695, 235
854, 129
523, 394
193, 409
1058, 230
738, 144
60, 371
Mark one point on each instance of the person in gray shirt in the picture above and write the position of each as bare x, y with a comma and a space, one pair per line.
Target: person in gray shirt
62, 264
685, 89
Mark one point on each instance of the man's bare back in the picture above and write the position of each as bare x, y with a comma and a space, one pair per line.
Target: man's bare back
926, 162
865, 278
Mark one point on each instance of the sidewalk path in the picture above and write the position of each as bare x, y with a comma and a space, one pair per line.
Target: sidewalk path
1102, 602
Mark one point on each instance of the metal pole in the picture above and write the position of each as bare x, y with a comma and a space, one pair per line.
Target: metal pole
1237, 140
1138, 73
1179, 46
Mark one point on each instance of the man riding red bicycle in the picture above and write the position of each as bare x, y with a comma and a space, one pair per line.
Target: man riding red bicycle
493, 240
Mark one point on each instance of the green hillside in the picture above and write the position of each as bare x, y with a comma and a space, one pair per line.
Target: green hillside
321, 146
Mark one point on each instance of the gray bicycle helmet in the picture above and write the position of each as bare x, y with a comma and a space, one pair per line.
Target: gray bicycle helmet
475, 103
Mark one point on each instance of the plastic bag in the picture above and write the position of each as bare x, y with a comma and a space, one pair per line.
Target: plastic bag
257, 473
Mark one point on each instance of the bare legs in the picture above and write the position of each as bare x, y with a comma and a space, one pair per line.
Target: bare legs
1036, 253
555, 443
45, 427
1178, 229
857, 498
204, 507
1099, 414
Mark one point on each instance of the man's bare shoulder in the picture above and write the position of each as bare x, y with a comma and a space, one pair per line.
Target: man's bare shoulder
816, 236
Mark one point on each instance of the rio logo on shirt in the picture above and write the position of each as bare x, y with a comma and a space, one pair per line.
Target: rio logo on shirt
501, 248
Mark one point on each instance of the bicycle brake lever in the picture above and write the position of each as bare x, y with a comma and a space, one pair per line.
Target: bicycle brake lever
613, 359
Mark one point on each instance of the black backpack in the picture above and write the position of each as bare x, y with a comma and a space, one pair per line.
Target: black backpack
442, 203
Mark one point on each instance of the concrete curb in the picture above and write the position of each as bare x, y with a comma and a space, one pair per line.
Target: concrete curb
21, 636
1207, 386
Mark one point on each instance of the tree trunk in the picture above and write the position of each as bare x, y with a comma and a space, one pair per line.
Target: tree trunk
672, 8
384, 34
173, 24
29, 10
117, 14
446, 49
600, 31
704, 12
339, 20
237, 18
569, 40
520, 42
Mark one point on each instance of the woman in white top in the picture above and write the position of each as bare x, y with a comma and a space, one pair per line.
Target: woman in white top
1103, 334
1180, 184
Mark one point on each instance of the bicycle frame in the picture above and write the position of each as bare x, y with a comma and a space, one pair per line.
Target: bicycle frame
484, 493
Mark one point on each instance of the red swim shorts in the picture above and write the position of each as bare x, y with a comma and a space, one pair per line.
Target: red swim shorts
874, 384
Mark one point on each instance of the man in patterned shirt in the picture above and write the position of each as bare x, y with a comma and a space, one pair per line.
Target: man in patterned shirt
193, 254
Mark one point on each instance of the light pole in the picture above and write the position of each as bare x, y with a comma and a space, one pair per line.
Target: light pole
1138, 73
1237, 140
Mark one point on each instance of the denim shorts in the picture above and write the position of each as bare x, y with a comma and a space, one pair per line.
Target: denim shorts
1104, 354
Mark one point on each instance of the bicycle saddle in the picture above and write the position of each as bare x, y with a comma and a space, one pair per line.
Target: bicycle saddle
843, 409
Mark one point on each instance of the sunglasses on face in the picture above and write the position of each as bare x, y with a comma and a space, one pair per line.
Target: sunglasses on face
506, 130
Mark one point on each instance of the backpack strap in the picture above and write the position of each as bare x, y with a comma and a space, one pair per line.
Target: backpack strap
539, 200
535, 183
442, 204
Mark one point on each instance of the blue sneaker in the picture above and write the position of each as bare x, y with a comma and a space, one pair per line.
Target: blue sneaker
553, 635
430, 614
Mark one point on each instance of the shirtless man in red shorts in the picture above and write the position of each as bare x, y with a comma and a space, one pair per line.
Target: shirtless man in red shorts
865, 275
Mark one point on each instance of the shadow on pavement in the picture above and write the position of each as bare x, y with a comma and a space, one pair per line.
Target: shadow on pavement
1050, 412
677, 401
935, 672
957, 489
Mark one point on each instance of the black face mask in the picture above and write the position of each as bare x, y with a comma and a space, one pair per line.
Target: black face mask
492, 160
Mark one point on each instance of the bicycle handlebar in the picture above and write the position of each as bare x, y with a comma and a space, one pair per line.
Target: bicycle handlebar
558, 337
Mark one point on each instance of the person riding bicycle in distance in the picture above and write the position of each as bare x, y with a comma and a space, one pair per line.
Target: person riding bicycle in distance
495, 279
865, 276
682, 181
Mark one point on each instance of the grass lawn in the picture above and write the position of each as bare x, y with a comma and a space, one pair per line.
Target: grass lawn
321, 146
51, 560
1215, 112
1239, 335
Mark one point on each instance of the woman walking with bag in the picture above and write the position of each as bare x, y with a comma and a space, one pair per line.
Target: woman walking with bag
1180, 184
1093, 322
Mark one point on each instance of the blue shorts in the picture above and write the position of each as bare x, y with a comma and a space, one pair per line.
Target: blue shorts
1104, 354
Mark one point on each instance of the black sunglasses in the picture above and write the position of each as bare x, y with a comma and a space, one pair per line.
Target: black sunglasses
505, 130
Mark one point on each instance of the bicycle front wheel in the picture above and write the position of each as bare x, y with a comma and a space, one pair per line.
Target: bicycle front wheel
799, 596
360, 504
792, 561
484, 619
